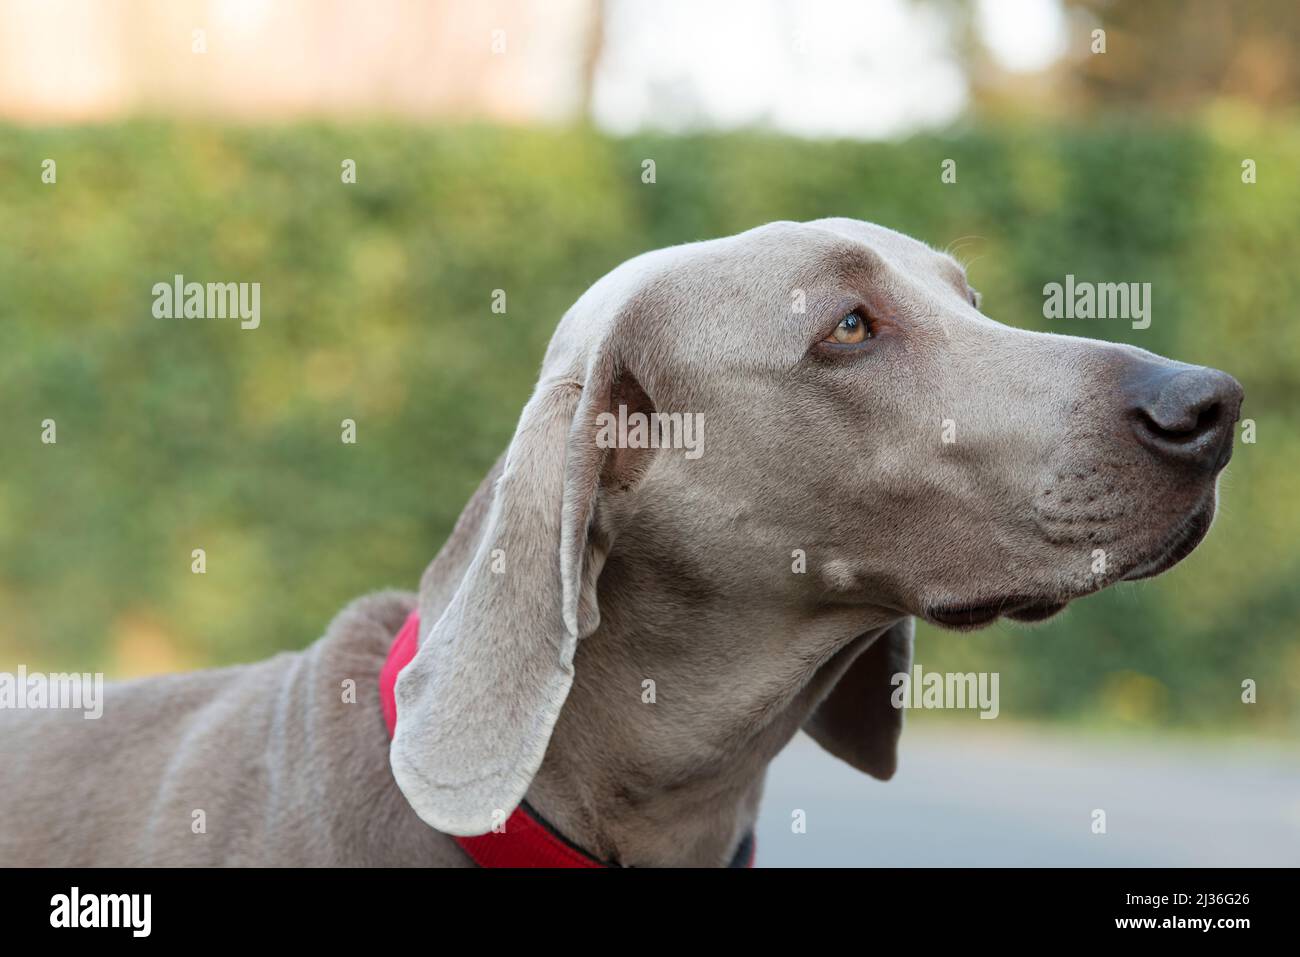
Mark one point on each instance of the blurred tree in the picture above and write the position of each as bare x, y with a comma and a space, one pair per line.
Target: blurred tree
1175, 55
591, 52
1169, 57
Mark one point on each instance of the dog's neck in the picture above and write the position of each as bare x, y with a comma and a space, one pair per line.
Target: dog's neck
659, 754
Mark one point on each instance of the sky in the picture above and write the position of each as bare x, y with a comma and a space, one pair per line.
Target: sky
845, 68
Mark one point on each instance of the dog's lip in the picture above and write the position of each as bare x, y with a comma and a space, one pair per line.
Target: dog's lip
969, 615
1178, 546
1023, 608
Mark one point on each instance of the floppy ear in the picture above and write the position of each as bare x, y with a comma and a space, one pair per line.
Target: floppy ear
857, 722
476, 706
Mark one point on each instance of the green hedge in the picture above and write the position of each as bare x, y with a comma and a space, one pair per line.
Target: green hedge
376, 306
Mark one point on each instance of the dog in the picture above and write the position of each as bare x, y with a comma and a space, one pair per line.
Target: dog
618, 638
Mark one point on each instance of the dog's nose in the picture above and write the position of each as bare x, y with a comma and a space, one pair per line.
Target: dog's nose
1184, 413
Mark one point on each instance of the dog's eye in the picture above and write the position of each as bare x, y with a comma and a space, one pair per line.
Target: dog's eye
853, 328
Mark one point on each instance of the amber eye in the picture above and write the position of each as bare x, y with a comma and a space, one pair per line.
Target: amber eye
853, 328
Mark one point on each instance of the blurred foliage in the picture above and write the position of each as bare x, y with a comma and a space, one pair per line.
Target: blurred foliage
174, 434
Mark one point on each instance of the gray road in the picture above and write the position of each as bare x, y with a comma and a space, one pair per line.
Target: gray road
1011, 797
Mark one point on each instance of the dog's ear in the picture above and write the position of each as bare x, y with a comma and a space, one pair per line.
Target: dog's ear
857, 722
476, 706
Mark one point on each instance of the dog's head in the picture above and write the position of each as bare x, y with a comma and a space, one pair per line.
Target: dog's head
830, 392
943, 464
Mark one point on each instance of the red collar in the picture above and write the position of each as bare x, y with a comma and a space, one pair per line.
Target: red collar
526, 840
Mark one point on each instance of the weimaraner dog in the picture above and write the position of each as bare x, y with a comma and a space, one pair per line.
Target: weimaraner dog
622, 636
